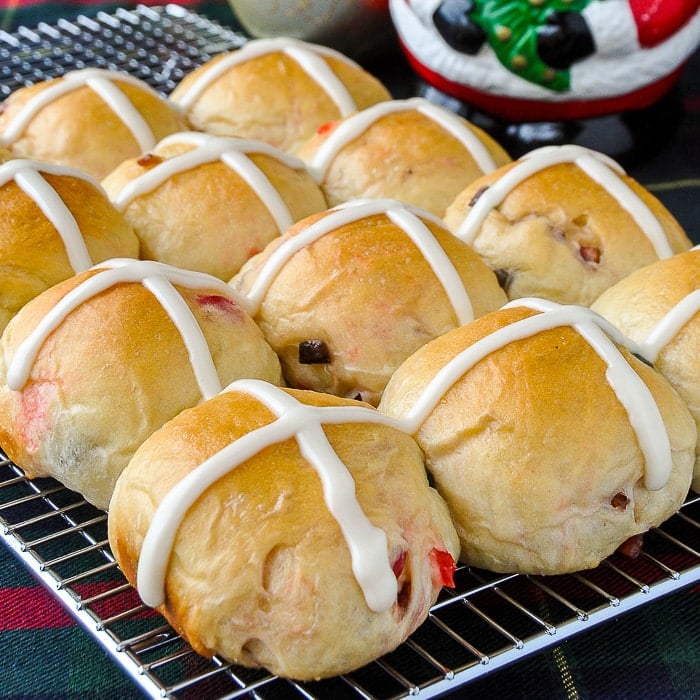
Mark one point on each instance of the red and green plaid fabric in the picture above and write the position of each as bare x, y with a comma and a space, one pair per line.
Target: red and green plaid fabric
44, 654
653, 652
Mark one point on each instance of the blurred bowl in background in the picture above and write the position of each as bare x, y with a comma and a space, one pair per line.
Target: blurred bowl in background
358, 28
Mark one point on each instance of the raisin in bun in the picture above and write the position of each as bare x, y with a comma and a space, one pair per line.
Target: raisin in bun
563, 223
208, 203
91, 119
658, 306
411, 150
345, 296
275, 90
283, 529
93, 365
552, 443
57, 221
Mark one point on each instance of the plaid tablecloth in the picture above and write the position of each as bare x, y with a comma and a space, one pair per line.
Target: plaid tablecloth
652, 652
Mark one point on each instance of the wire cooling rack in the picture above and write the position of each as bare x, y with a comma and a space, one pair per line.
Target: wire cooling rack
485, 623
156, 44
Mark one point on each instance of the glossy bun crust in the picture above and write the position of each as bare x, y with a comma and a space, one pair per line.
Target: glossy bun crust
111, 373
560, 235
33, 255
643, 299
366, 294
534, 452
260, 572
405, 155
80, 129
208, 217
270, 97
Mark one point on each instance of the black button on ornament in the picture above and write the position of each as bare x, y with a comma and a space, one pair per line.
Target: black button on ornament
452, 21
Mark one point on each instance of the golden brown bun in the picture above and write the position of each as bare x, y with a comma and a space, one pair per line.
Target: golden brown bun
206, 217
533, 450
366, 292
404, 154
640, 301
260, 572
80, 129
33, 255
112, 372
269, 97
560, 235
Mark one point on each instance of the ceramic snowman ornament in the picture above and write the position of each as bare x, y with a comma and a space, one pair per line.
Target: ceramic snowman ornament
537, 60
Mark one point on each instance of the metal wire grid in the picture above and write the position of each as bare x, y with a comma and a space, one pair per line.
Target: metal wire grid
156, 44
486, 622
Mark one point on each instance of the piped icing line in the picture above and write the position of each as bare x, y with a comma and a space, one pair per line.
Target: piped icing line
101, 81
159, 279
190, 331
27, 174
355, 125
366, 542
404, 216
233, 152
630, 389
308, 56
666, 329
597, 166
439, 261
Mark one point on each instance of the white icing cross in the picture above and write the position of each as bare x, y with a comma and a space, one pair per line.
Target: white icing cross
404, 216
233, 152
631, 391
159, 279
670, 325
353, 126
101, 81
367, 543
28, 176
597, 166
308, 56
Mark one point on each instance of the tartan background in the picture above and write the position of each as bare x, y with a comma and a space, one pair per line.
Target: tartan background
652, 652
